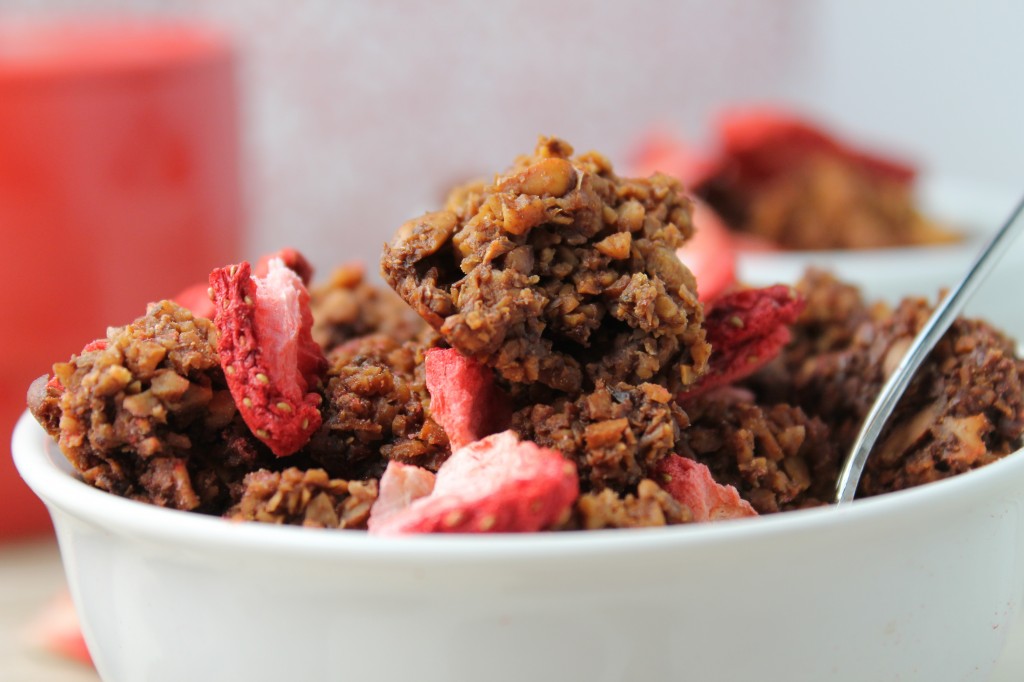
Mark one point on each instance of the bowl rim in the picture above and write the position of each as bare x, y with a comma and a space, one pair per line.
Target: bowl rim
46, 471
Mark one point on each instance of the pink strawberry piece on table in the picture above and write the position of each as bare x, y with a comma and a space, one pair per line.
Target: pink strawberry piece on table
57, 629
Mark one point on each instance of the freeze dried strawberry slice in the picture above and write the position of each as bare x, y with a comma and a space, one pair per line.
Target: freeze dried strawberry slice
750, 314
691, 484
764, 142
57, 629
197, 298
746, 329
498, 485
464, 399
268, 354
400, 485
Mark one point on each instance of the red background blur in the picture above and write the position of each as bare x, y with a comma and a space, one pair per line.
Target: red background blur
119, 185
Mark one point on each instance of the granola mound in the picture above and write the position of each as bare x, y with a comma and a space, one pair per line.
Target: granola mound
146, 414
559, 272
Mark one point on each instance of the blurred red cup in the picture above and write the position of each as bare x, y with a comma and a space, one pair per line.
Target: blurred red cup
119, 185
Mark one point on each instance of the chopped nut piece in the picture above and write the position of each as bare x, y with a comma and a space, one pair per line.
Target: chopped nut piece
615, 246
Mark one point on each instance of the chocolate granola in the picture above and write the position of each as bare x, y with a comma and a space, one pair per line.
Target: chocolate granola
376, 408
776, 456
146, 414
346, 307
558, 272
823, 203
963, 409
649, 506
559, 283
616, 434
304, 498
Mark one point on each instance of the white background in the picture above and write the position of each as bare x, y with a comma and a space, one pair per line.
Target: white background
359, 115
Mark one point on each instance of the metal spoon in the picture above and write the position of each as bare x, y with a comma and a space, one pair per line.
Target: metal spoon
922, 344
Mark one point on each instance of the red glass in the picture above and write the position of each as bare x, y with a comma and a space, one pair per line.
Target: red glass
119, 185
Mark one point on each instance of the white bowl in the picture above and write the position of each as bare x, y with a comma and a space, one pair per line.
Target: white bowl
975, 210
921, 584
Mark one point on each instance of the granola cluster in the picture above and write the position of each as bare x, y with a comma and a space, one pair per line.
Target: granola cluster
822, 203
559, 272
776, 456
788, 181
347, 307
145, 413
616, 435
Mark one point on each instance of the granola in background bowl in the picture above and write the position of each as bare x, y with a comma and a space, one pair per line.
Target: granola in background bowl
786, 194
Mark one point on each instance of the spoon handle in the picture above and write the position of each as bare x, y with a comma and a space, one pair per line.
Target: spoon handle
927, 337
